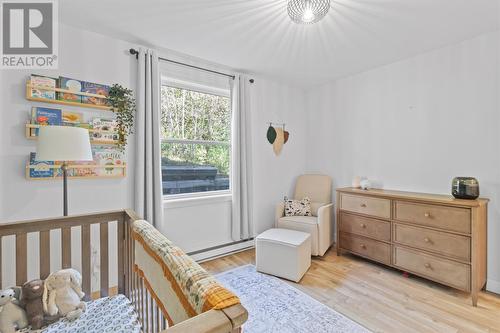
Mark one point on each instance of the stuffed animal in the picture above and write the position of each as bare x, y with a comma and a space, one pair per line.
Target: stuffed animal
12, 316
31, 300
63, 293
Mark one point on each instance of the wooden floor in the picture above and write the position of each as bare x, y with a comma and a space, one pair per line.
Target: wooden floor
381, 299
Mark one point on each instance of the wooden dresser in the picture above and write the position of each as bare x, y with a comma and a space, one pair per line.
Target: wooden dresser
436, 237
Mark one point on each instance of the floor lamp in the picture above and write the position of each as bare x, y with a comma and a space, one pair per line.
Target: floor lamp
63, 144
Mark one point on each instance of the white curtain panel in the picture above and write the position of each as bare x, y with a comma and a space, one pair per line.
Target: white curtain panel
148, 182
241, 177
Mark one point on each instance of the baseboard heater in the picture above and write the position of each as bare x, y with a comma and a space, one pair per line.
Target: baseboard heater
222, 250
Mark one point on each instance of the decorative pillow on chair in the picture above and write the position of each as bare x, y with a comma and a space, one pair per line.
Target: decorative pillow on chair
298, 207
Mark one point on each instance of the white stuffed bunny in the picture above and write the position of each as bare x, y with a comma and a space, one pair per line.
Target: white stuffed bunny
12, 316
63, 294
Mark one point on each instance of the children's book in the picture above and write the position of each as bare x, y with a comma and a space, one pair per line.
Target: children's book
39, 80
46, 117
72, 118
42, 169
95, 88
108, 158
72, 85
105, 125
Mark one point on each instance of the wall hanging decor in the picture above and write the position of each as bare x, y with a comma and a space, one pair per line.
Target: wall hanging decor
277, 136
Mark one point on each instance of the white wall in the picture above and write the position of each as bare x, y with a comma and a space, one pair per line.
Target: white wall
82, 55
414, 125
195, 226
97, 58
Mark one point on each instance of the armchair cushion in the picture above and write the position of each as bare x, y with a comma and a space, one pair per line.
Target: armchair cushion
308, 224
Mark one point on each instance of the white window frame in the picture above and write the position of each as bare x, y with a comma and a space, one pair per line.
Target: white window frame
201, 197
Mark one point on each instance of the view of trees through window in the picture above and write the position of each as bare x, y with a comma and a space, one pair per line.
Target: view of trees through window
196, 133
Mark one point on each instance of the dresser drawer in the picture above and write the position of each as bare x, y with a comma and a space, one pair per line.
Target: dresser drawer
443, 217
451, 245
365, 205
441, 270
365, 226
366, 247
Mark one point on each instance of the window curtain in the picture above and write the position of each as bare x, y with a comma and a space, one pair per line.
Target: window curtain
148, 182
241, 177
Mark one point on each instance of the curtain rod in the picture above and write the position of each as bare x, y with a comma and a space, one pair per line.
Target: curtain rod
136, 53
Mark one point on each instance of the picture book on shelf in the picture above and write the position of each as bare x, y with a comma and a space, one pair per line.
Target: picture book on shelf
45, 81
72, 85
95, 88
105, 125
72, 118
40, 169
108, 157
79, 172
46, 116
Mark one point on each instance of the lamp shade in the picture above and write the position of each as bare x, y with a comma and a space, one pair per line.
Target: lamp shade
63, 143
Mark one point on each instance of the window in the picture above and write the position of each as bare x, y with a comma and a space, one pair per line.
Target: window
196, 133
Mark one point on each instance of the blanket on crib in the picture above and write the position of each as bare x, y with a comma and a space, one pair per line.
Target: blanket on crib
107, 314
196, 289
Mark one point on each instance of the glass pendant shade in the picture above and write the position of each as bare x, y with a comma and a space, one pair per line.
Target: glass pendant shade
307, 11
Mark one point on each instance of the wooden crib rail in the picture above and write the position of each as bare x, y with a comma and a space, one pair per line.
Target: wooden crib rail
128, 281
43, 227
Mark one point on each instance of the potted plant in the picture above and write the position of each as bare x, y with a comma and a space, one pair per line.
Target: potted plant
122, 103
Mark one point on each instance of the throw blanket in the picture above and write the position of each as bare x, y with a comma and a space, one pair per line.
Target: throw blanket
195, 290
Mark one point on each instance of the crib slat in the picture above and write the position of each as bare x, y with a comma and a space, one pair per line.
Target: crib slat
121, 246
104, 260
1, 279
146, 307
86, 260
44, 254
21, 259
66, 247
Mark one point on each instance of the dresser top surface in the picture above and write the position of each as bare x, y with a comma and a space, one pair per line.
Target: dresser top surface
425, 197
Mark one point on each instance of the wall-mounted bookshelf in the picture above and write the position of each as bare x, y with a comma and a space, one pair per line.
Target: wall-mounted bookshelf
29, 97
103, 131
110, 171
30, 134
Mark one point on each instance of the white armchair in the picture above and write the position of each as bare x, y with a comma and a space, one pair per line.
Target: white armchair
319, 189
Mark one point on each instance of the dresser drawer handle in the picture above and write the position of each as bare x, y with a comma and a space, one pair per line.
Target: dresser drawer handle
428, 266
427, 214
363, 246
427, 240
363, 205
362, 225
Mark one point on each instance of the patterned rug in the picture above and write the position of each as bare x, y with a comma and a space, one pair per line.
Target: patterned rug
275, 306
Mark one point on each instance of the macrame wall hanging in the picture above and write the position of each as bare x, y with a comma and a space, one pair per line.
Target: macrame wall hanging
277, 136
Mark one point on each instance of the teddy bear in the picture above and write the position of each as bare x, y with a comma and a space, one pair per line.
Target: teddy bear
12, 316
63, 294
31, 300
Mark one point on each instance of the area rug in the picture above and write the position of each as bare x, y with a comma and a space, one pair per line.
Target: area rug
275, 306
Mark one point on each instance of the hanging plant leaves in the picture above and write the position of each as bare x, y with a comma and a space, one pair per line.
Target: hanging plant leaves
122, 102
271, 134
286, 134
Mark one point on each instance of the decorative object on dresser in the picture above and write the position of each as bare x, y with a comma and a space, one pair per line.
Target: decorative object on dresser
465, 188
365, 184
433, 236
356, 182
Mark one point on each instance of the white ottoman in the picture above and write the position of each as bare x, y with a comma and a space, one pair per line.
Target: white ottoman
284, 253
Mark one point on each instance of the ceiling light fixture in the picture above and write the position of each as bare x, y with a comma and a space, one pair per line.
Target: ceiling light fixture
307, 11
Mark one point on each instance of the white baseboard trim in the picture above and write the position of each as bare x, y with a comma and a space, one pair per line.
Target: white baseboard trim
223, 251
493, 286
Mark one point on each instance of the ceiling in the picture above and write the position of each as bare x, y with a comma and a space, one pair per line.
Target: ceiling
257, 36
